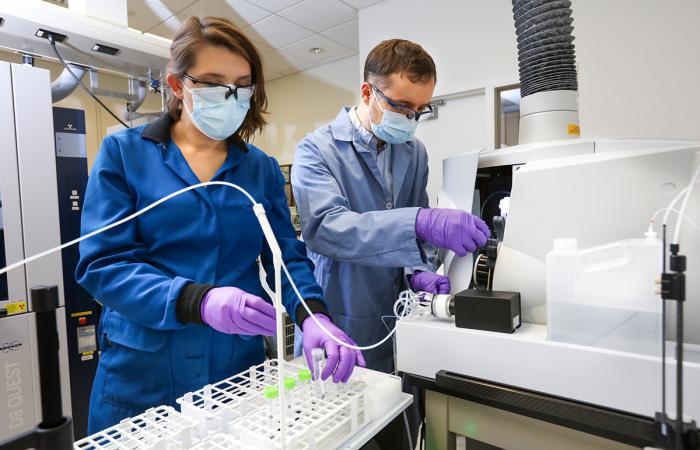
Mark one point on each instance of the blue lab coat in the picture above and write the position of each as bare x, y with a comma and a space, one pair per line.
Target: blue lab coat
359, 231
137, 270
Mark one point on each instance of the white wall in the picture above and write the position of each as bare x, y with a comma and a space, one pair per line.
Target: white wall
300, 103
460, 126
639, 68
638, 61
471, 41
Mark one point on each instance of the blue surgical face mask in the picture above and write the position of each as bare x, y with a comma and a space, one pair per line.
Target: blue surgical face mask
215, 115
394, 128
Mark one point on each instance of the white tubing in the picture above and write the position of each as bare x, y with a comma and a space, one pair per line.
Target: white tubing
320, 325
124, 220
684, 205
693, 223
670, 206
269, 236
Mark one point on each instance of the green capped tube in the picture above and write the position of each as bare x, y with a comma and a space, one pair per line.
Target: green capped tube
271, 393
305, 381
289, 385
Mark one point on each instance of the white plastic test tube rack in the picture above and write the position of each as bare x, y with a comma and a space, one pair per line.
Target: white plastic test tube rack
220, 441
236, 406
160, 428
234, 415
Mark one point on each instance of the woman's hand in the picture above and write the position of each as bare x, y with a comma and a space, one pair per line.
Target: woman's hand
233, 311
340, 360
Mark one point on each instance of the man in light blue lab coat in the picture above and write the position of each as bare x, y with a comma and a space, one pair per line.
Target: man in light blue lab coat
360, 188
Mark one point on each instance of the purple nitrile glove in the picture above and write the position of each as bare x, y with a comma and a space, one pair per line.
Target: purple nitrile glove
430, 282
452, 229
233, 311
340, 359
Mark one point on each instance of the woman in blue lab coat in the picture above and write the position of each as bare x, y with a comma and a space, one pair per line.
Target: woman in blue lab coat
183, 303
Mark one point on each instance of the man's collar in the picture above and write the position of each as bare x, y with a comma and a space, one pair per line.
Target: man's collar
362, 134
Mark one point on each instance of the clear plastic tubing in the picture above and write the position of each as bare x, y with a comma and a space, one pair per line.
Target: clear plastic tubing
261, 218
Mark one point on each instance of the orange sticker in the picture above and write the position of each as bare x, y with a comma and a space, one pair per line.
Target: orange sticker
574, 130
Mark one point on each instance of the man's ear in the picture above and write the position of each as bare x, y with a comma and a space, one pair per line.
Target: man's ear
366, 90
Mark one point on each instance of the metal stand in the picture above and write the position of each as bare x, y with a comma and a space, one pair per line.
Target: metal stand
682, 435
55, 432
689, 437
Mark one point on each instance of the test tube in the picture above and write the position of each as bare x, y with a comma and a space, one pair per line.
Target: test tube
305, 380
319, 359
289, 385
271, 393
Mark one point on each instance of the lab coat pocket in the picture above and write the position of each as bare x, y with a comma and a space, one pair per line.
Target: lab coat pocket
136, 365
130, 334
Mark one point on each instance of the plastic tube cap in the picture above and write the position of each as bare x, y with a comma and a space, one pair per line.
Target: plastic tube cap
271, 392
304, 375
289, 382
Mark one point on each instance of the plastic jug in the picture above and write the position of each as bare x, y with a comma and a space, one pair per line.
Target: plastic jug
604, 296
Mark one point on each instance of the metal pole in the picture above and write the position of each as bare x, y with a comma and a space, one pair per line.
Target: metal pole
663, 338
679, 373
277, 261
259, 211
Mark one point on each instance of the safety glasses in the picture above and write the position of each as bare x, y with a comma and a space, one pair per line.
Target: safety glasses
419, 116
240, 93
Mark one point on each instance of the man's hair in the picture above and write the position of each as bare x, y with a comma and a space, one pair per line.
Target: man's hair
401, 57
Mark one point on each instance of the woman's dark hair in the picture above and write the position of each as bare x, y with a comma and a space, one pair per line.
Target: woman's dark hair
196, 32
401, 57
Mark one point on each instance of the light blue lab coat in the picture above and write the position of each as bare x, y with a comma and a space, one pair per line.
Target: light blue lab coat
361, 232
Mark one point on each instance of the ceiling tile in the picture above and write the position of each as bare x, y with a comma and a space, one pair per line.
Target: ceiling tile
145, 15
240, 12
301, 48
346, 34
261, 46
319, 15
271, 75
173, 5
167, 28
283, 62
274, 5
343, 55
359, 4
276, 31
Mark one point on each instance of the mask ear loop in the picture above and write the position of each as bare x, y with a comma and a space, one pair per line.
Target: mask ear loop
183, 100
376, 99
184, 105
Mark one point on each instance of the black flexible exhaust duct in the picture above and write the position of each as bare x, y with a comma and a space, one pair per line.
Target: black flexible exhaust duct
547, 65
547, 61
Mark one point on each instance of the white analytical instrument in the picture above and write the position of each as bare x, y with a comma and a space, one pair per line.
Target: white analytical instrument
594, 191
